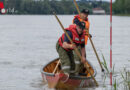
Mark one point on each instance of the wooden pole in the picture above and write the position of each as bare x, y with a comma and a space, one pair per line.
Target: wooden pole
77, 7
56, 67
90, 39
76, 50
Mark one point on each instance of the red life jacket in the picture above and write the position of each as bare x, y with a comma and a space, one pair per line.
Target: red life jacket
75, 37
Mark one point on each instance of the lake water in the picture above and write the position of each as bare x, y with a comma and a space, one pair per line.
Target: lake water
28, 42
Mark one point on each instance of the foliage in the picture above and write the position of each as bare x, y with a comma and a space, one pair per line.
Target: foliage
105, 65
121, 7
115, 85
126, 78
48, 6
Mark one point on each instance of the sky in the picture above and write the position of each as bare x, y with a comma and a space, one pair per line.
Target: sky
102, 0
108, 0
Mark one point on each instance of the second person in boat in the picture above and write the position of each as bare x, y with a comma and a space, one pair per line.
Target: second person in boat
84, 18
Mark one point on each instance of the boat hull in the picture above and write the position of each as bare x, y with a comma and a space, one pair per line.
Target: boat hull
60, 80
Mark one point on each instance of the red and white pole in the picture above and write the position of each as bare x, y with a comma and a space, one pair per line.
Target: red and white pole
110, 42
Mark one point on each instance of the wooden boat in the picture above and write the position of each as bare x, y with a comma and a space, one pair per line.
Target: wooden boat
61, 81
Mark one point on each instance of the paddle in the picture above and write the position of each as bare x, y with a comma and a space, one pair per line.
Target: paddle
90, 38
56, 67
76, 50
56, 78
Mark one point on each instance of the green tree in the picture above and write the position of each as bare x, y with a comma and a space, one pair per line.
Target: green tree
121, 7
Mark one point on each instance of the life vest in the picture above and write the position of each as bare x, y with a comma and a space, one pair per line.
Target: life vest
75, 37
87, 24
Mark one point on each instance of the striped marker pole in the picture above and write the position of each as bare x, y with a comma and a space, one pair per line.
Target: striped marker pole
110, 42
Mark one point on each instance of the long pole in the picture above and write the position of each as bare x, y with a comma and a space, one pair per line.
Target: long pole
76, 50
111, 42
90, 39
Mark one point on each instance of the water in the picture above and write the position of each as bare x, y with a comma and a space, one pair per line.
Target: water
28, 42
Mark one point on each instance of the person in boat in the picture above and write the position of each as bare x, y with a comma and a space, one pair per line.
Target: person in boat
83, 17
70, 61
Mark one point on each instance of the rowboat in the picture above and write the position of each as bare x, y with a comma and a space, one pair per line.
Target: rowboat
62, 81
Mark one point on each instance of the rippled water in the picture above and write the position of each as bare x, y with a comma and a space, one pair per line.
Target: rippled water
28, 42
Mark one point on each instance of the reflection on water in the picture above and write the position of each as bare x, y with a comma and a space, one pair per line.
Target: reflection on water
28, 42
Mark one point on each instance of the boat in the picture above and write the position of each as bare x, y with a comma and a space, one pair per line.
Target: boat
55, 78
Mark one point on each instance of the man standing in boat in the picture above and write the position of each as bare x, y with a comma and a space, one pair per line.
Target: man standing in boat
70, 61
84, 18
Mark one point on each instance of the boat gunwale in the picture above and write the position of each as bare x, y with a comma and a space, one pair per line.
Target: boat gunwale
71, 77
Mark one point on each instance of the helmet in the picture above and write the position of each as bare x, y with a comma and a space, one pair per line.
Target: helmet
81, 25
86, 11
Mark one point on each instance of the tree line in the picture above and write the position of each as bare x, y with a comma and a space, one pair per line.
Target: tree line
48, 6
121, 7
62, 6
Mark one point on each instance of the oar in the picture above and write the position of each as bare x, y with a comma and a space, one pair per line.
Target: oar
76, 50
56, 67
52, 84
90, 39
